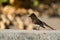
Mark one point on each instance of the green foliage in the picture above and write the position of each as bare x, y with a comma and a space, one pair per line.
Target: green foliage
1, 1
35, 2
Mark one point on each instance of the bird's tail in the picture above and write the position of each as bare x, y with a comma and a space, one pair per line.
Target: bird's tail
48, 26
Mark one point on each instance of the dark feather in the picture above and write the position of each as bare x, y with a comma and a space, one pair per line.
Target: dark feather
36, 20
39, 22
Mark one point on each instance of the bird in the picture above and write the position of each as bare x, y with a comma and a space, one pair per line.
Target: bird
37, 21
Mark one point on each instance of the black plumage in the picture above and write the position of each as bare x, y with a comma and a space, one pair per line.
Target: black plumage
38, 22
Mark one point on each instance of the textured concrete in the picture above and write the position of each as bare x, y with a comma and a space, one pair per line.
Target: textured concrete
29, 35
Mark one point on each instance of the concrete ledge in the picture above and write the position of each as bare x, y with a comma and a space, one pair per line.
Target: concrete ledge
29, 35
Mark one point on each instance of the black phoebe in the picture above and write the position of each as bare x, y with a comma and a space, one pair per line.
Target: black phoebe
38, 22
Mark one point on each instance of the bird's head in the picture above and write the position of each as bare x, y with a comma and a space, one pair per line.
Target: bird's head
32, 15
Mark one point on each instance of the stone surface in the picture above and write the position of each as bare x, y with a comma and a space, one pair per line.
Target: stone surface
29, 35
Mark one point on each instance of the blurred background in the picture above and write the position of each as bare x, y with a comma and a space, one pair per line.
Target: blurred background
14, 14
